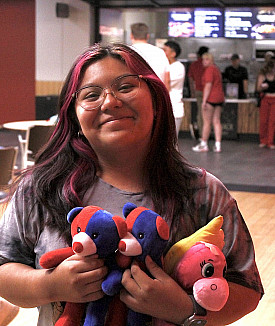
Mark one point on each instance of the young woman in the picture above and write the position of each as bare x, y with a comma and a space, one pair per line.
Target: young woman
212, 101
266, 86
115, 142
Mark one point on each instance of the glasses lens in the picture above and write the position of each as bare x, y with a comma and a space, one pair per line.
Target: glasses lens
126, 87
90, 97
123, 88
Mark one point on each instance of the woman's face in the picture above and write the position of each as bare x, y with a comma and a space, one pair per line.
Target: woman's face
116, 124
206, 61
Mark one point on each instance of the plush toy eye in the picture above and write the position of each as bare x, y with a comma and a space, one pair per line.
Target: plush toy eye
78, 229
207, 270
94, 235
140, 235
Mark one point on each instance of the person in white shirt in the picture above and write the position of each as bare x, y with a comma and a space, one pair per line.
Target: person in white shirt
154, 56
177, 75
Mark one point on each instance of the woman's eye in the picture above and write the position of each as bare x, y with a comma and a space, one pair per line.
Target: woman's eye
125, 88
92, 96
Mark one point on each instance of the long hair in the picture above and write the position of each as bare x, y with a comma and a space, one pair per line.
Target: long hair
67, 165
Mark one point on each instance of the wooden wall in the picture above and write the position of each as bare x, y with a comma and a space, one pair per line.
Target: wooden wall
17, 60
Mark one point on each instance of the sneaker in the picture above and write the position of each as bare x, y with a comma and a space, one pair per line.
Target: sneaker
217, 149
271, 146
262, 145
200, 148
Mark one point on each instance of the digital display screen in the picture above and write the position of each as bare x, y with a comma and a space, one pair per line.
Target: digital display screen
263, 24
255, 23
238, 23
247, 23
208, 22
181, 23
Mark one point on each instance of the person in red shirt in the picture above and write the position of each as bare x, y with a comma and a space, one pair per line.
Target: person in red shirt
195, 73
212, 101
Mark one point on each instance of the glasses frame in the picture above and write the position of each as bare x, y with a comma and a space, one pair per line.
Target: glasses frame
75, 94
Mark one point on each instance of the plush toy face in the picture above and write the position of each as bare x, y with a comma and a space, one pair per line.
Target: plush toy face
149, 233
202, 269
95, 230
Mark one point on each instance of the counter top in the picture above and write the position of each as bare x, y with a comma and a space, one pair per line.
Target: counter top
227, 100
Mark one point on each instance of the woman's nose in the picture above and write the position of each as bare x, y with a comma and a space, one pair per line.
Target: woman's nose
110, 100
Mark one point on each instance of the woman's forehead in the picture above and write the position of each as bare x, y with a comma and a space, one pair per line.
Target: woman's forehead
104, 70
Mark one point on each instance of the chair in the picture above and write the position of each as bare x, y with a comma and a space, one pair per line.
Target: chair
36, 138
8, 157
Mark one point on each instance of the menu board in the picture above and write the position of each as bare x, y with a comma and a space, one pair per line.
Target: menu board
255, 23
263, 24
181, 23
208, 22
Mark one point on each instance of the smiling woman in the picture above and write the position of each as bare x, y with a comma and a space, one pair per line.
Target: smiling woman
115, 142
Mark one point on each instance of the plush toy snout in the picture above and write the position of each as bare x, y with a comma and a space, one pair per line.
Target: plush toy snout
83, 245
211, 293
129, 246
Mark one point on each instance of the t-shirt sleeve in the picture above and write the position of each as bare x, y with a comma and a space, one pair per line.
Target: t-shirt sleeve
238, 248
19, 234
208, 75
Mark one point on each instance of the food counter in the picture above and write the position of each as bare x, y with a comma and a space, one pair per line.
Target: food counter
239, 117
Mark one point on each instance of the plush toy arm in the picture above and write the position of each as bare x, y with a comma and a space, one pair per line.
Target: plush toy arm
53, 258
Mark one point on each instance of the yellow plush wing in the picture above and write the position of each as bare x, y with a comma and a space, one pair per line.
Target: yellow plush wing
211, 233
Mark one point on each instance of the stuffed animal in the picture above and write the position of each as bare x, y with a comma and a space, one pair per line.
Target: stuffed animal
148, 234
200, 270
93, 230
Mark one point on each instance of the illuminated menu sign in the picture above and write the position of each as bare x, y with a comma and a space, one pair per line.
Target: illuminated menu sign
208, 23
249, 23
263, 24
196, 23
181, 23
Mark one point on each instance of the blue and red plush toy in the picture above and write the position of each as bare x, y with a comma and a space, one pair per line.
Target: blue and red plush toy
93, 230
143, 233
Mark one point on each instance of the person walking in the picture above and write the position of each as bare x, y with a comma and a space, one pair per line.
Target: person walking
177, 74
154, 56
195, 73
266, 86
212, 102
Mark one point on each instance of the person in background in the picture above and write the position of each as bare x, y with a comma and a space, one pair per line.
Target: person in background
7, 312
154, 56
235, 73
268, 56
115, 142
212, 102
195, 73
177, 74
266, 86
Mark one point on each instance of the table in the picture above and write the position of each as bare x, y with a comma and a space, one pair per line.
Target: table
25, 126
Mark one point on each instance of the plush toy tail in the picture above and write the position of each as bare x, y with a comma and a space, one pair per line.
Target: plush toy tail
72, 315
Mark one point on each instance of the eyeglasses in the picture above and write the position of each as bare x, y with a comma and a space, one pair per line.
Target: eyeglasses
122, 88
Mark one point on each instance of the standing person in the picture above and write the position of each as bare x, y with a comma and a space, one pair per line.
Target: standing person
115, 142
154, 56
195, 73
212, 101
177, 75
266, 86
237, 74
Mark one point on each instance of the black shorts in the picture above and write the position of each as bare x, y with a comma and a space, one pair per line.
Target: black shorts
215, 104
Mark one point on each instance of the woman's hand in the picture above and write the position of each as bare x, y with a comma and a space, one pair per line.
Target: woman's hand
160, 297
77, 279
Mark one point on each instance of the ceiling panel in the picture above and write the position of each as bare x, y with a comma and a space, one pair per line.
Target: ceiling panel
179, 3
